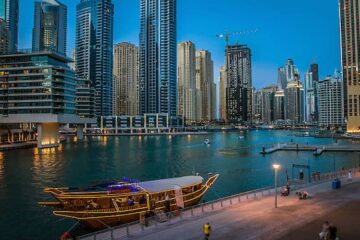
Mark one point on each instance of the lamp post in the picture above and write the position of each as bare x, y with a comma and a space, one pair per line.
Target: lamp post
276, 167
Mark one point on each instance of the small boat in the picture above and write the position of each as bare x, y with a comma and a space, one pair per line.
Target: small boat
207, 141
241, 137
112, 203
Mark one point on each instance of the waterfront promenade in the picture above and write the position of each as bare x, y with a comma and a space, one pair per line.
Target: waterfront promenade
258, 219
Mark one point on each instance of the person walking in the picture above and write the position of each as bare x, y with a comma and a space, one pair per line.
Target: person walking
207, 230
349, 176
324, 234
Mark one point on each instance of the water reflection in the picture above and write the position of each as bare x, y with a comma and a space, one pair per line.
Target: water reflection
2, 167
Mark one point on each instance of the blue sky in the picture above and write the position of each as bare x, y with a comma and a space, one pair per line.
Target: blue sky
305, 30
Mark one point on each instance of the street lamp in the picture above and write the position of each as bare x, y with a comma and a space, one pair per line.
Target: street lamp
276, 168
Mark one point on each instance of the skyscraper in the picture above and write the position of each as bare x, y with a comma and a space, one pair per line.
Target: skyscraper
330, 102
294, 101
126, 79
50, 26
158, 83
9, 11
282, 80
279, 100
222, 93
204, 85
4, 37
239, 84
268, 101
350, 54
94, 49
186, 81
310, 101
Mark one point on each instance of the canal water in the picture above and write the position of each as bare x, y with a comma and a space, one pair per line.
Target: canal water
24, 173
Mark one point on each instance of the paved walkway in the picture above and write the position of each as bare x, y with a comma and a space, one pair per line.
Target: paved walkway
258, 219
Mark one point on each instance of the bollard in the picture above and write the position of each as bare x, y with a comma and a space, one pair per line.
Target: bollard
127, 230
192, 212
230, 201
239, 198
112, 234
181, 217
142, 227
247, 196
212, 206
95, 237
221, 203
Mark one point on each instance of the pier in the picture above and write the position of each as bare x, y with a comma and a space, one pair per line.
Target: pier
252, 215
316, 149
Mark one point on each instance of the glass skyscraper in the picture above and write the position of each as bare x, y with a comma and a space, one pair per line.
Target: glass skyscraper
50, 23
94, 49
9, 11
158, 86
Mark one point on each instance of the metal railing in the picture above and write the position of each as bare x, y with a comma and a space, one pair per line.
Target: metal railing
126, 230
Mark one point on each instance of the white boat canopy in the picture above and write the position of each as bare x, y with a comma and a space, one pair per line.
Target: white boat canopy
170, 183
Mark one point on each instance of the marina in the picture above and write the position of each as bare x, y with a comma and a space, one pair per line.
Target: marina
25, 173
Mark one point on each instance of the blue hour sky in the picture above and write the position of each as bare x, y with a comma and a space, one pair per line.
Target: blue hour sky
305, 30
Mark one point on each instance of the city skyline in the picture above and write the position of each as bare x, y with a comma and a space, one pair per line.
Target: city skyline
202, 28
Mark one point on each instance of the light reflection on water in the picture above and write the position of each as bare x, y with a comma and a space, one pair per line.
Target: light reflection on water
24, 173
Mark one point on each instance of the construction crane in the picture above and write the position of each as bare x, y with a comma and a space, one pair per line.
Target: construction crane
227, 35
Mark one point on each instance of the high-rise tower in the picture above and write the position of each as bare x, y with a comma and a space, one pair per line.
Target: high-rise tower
94, 50
126, 79
50, 26
158, 83
9, 11
239, 84
350, 55
186, 80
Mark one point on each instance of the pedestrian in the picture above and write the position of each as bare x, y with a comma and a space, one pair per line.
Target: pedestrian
207, 230
332, 233
349, 176
324, 234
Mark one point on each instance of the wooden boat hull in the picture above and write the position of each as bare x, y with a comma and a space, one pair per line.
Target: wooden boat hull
105, 217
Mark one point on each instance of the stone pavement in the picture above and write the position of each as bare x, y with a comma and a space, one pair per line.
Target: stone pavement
258, 219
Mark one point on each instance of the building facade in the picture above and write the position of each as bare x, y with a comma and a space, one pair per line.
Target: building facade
9, 11
47, 87
126, 79
279, 105
268, 102
85, 97
186, 62
94, 50
239, 84
350, 55
50, 26
157, 57
294, 101
330, 102
257, 106
222, 93
310, 100
4, 37
204, 85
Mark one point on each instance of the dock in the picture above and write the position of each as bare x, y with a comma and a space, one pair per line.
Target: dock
316, 149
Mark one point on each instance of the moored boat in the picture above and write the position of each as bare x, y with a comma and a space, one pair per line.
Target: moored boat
113, 203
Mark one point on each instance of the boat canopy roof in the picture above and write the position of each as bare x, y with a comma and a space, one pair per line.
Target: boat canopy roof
170, 183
